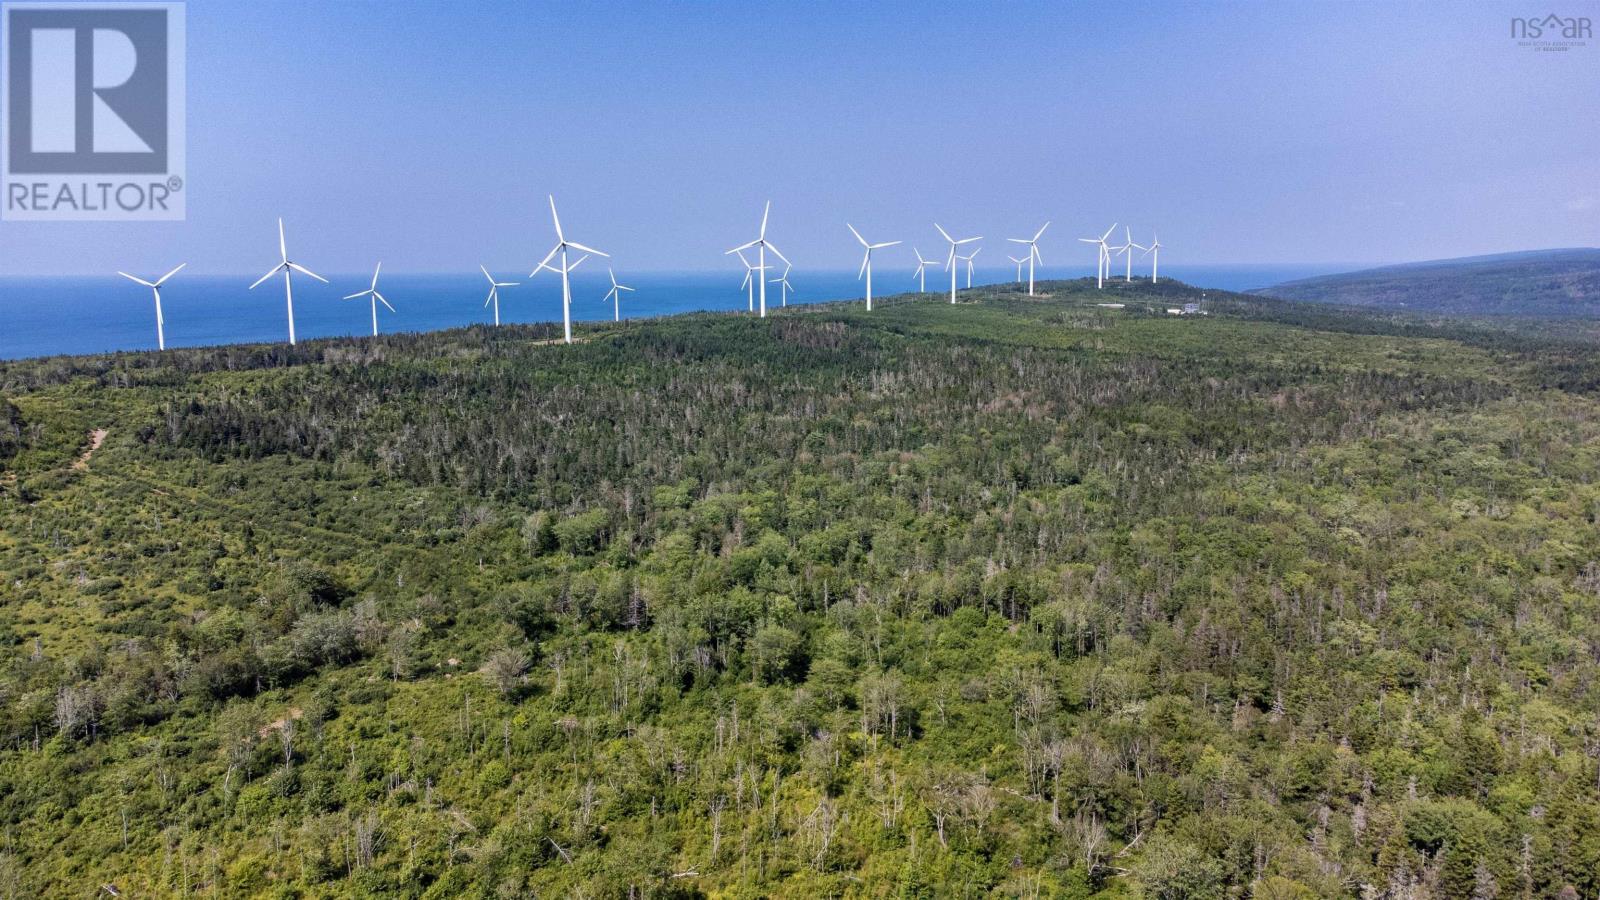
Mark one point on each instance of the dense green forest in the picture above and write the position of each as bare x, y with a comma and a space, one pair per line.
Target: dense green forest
1014, 598
1554, 283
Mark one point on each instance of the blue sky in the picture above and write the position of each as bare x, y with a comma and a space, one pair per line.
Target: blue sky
427, 134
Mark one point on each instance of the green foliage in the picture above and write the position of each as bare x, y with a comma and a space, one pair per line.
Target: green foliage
1016, 598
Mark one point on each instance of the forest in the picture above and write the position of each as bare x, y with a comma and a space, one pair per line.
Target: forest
1021, 597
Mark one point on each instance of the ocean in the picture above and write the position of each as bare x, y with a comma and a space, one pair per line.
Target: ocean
51, 316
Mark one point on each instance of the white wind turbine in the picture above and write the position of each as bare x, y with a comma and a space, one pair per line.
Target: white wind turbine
748, 283
561, 247
783, 281
1127, 248
155, 288
922, 270
1102, 256
950, 261
1019, 263
1154, 252
969, 257
615, 296
762, 245
866, 260
494, 292
286, 267
376, 298
1033, 254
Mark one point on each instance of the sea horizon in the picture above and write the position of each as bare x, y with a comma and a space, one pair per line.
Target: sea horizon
43, 316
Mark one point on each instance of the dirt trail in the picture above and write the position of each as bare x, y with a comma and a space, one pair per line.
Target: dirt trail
96, 438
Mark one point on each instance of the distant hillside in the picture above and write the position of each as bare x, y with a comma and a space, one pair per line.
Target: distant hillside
1533, 283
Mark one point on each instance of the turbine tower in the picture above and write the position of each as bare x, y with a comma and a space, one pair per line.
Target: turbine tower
1154, 252
950, 261
783, 280
376, 298
287, 267
762, 245
1102, 256
615, 295
866, 260
922, 270
1033, 254
155, 288
494, 292
561, 247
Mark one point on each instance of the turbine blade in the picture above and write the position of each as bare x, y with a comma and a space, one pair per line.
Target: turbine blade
353, 296
944, 234
857, 234
623, 287
546, 261
486, 273
275, 270
554, 217
1040, 232
864, 260
163, 279
383, 301
764, 214
589, 250
1019, 240
375, 274
885, 244
779, 253
142, 281
744, 246
305, 271
579, 262
283, 245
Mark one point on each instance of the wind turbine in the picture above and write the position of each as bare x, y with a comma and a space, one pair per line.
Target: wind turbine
1127, 248
1033, 254
1019, 263
561, 247
615, 296
748, 283
494, 292
286, 267
1102, 257
950, 261
155, 288
969, 257
866, 260
784, 281
376, 298
1155, 259
922, 270
762, 245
